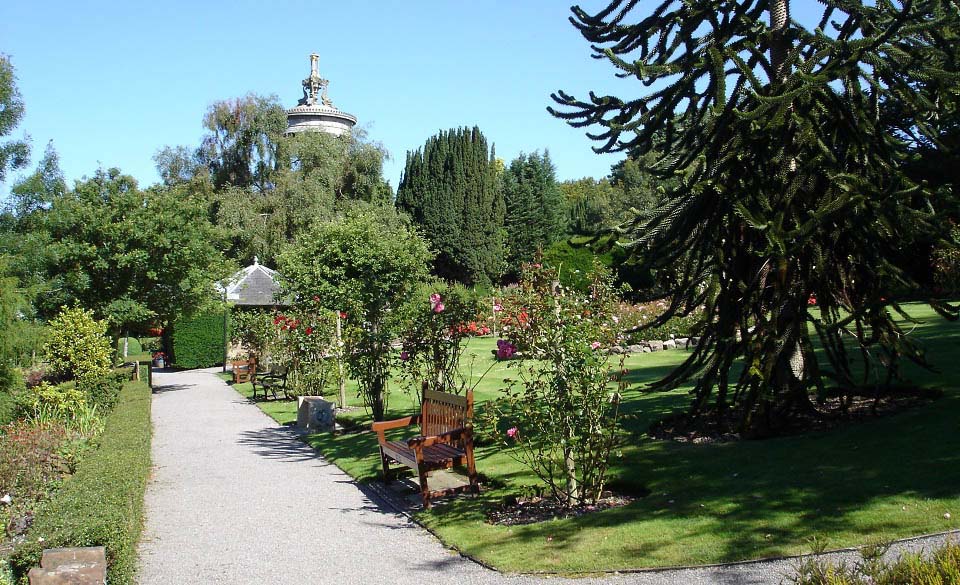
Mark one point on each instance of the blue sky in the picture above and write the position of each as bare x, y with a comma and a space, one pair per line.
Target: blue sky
111, 82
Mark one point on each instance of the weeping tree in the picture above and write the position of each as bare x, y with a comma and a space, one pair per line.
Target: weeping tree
789, 188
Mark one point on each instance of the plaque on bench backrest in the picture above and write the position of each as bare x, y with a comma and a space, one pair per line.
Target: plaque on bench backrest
316, 414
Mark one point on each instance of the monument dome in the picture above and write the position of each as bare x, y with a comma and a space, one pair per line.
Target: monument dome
315, 112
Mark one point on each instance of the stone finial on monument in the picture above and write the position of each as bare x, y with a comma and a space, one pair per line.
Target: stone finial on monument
315, 86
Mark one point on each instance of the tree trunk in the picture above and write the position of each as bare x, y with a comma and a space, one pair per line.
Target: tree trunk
341, 378
779, 46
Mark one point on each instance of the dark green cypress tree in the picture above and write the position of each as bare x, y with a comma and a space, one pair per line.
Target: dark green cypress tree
792, 187
450, 188
535, 207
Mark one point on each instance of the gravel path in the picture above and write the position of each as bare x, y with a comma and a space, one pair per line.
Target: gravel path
236, 499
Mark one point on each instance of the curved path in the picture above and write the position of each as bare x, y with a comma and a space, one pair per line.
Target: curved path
234, 498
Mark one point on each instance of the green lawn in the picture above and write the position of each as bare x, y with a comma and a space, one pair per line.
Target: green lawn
883, 479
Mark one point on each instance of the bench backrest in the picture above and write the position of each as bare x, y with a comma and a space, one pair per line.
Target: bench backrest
441, 412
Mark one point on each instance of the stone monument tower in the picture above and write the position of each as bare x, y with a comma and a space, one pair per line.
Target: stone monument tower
315, 112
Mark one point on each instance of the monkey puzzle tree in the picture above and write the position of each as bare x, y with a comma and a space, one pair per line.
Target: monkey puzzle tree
790, 189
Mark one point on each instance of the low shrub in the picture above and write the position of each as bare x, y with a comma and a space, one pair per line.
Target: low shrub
103, 391
198, 341
48, 401
102, 504
8, 407
77, 345
942, 566
635, 319
151, 344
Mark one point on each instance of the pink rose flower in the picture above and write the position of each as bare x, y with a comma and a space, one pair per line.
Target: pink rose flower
438, 308
595, 345
497, 307
512, 432
435, 298
505, 349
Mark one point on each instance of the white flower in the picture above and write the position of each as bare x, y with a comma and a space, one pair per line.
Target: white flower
6, 499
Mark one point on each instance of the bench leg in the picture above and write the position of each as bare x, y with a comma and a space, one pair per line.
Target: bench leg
386, 466
424, 489
472, 472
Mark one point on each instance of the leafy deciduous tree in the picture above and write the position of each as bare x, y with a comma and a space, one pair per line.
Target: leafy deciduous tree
13, 153
365, 264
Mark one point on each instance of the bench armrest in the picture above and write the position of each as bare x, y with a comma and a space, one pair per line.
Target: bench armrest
449, 437
386, 425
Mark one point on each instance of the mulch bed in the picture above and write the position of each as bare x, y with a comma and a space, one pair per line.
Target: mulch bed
827, 415
521, 510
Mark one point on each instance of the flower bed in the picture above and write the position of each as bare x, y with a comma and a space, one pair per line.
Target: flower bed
102, 504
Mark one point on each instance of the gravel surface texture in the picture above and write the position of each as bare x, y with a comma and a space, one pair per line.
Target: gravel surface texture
234, 498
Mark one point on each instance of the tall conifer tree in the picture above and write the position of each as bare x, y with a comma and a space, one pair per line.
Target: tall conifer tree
792, 189
451, 190
534, 204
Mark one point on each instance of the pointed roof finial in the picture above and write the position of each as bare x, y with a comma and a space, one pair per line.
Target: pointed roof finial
256, 261
314, 86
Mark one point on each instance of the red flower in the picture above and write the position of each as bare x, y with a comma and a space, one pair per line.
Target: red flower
309, 330
343, 314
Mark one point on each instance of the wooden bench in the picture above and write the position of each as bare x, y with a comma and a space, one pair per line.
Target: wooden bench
445, 440
243, 370
275, 379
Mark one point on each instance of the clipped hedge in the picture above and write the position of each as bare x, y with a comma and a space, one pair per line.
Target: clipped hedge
102, 504
104, 391
198, 341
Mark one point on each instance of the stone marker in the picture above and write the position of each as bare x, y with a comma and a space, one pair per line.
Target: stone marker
71, 566
656, 345
635, 348
316, 414
681, 342
669, 344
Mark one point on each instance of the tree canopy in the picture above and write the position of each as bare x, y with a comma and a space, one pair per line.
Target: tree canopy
791, 187
132, 256
366, 264
534, 216
13, 153
451, 189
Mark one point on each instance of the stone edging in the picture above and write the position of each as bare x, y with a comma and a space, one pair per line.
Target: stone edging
652, 346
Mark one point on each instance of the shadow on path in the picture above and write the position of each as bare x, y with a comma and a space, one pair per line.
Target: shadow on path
163, 389
279, 443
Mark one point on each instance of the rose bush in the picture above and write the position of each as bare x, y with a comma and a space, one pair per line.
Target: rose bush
562, 412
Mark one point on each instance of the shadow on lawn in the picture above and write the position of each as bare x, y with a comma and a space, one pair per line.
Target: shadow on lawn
752, 499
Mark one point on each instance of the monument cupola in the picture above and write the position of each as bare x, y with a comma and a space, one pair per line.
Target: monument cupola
315, 112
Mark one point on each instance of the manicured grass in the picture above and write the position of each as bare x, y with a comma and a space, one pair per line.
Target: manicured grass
883, 479
102, 504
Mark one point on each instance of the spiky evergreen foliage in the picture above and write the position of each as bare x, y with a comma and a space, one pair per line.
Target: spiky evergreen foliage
534, 207
450, 188
791, 186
